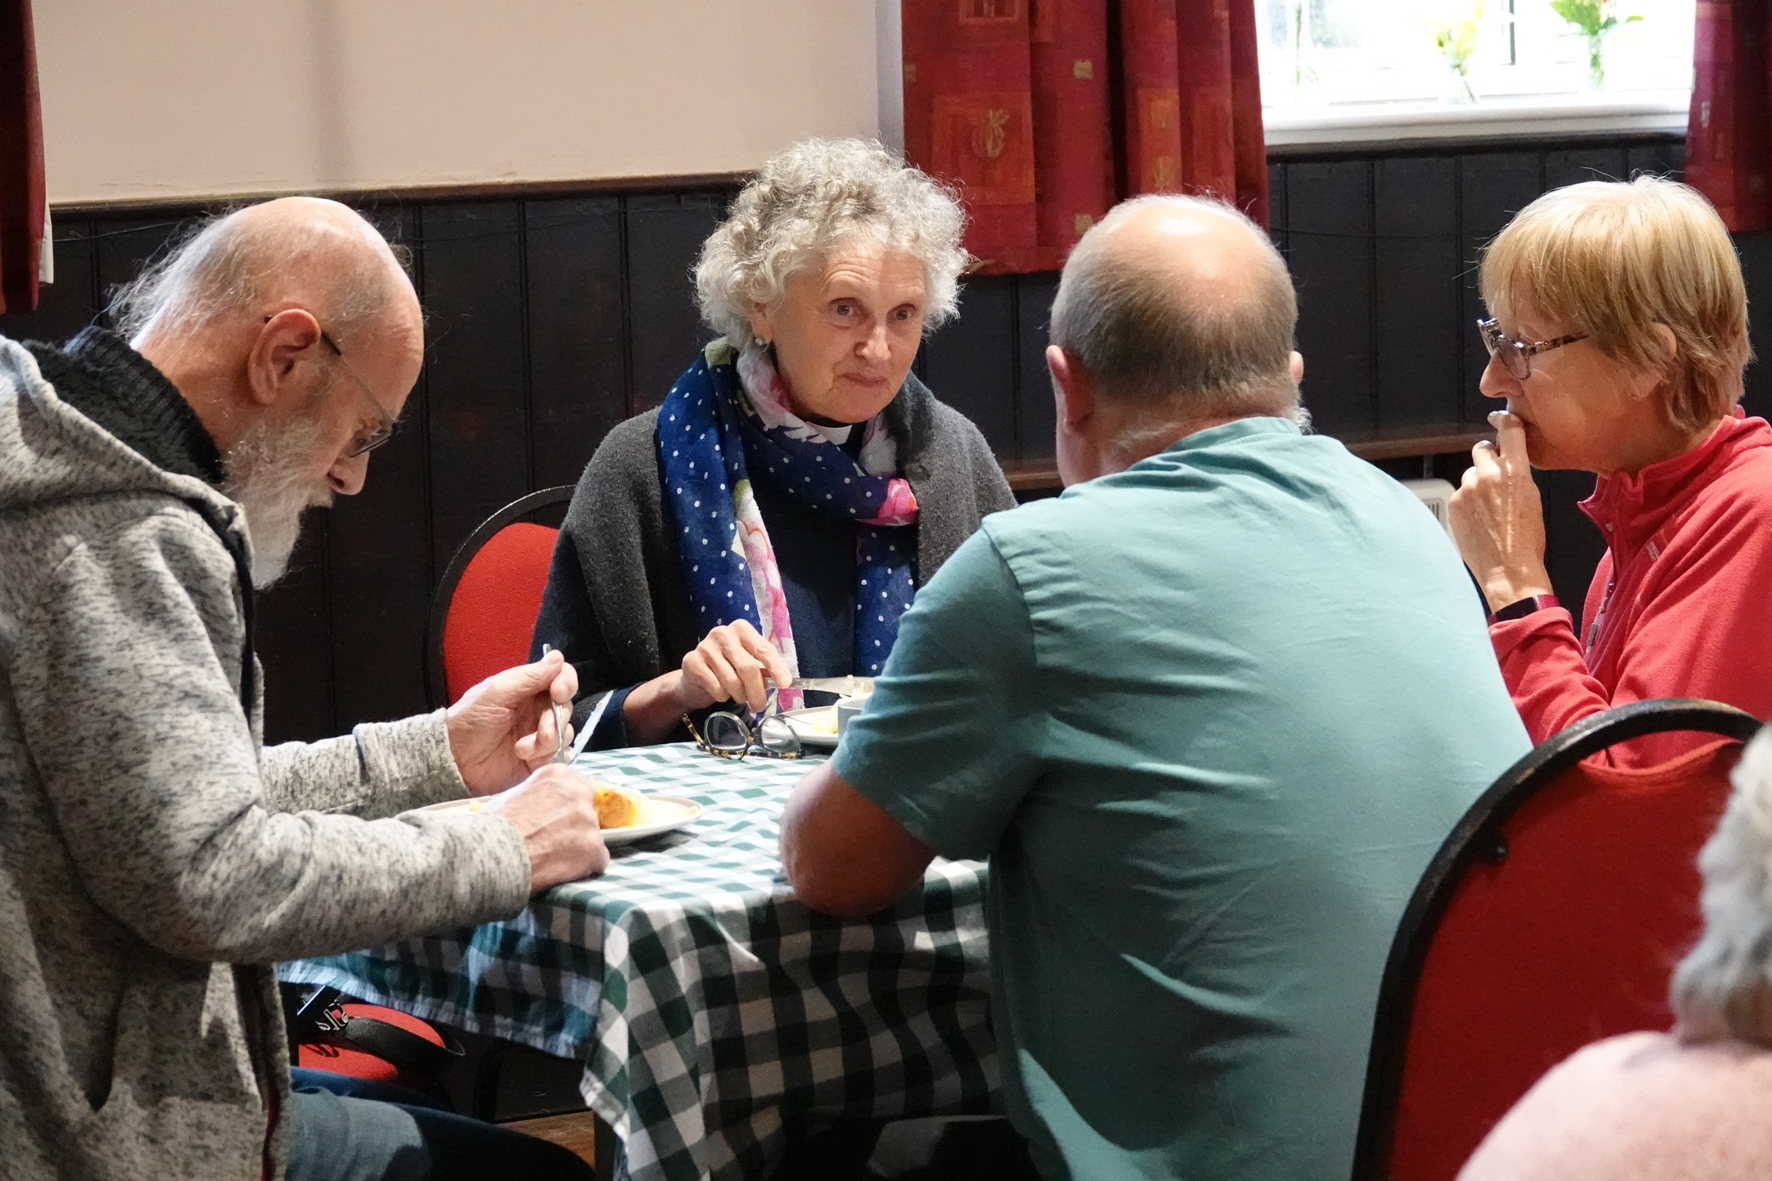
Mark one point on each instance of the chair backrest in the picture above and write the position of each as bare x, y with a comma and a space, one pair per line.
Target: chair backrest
1551, 917
484, 611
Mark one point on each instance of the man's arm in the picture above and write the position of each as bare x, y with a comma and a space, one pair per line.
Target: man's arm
940, 760
842, 852
378, 769
500, 732
159, 799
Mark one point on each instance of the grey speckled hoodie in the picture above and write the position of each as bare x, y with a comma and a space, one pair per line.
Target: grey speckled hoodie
153, 858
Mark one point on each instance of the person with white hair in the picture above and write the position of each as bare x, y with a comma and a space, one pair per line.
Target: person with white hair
1209, 714
773, 518
155, 858
1690, 1104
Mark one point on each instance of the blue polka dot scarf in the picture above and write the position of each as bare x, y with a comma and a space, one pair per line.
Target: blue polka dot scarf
727, 422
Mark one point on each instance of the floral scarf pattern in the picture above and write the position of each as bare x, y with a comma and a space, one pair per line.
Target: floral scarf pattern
726, 422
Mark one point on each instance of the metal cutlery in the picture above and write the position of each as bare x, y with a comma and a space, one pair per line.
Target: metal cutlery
841, 686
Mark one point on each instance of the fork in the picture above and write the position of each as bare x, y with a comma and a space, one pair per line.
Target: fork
562, 717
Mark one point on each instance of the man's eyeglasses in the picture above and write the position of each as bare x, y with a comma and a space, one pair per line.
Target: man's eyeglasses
1516, 355
363, 441
730, 736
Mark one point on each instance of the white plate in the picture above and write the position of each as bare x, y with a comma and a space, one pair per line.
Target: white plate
805, 722
658, 814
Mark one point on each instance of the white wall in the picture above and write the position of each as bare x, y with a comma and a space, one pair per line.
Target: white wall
195, 98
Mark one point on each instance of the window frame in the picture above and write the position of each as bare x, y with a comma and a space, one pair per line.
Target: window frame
1333, 113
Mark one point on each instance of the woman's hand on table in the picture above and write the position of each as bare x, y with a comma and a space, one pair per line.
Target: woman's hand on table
555, 810
503, 728
733, 662
1497, 519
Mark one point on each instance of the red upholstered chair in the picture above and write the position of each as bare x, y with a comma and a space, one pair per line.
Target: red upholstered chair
328, 1032
1551, 917
481, 620
485, 607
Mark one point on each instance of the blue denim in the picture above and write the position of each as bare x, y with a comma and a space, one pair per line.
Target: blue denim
344, 1129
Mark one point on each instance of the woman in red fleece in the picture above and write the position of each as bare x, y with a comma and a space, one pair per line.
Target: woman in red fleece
1618, 339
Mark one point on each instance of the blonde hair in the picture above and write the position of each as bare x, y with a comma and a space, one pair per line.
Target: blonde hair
1617, 258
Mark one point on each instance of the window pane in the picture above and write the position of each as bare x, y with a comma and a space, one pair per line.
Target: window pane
1317, 53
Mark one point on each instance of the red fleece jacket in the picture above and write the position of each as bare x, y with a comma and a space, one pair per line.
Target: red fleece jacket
1678, 606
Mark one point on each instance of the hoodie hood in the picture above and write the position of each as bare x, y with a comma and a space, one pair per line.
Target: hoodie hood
59, 445
52, 453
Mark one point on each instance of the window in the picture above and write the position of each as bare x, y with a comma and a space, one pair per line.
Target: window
1342, 69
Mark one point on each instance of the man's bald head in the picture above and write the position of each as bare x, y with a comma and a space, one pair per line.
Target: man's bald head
292, 252
1180, 305
292, 331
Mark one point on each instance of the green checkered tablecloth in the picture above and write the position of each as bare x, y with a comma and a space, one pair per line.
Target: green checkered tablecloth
708, 1005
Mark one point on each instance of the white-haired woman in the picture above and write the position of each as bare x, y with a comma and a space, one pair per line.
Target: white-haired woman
772, 518
1618, 339
1691, 1104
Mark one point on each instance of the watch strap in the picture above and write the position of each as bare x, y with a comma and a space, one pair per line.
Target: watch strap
1523, 607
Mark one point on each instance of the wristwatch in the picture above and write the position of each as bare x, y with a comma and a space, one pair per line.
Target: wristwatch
1523, 608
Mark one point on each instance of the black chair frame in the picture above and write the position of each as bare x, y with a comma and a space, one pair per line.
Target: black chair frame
436, 684
1477, 836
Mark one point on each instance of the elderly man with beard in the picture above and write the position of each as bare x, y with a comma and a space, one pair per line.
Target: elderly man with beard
155, 859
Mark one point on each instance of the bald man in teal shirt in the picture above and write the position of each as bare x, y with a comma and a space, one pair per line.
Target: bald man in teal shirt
1208, 715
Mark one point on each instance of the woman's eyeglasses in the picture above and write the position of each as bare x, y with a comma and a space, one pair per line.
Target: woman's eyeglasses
730, 736
1516, 355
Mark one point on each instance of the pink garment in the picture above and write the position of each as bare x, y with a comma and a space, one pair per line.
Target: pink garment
1640, 1107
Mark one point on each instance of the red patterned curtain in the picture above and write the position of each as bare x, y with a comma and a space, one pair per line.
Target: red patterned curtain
1046, 112
21, 160
1728, 145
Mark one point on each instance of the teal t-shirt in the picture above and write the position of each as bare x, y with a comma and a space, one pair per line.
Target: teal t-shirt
1208, 718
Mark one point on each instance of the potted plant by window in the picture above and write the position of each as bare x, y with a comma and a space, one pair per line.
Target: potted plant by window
1593, 20
1455, 36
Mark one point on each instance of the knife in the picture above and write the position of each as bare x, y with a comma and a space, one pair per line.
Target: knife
584, 738
841, 686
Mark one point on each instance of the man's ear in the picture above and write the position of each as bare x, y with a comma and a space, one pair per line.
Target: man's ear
1296, 364
1070, 387
284, 357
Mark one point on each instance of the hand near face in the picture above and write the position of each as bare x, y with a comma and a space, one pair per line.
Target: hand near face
731, 664
1498, 520
503, 728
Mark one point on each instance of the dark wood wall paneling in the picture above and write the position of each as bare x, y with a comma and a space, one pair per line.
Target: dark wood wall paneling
549, 319
552, 317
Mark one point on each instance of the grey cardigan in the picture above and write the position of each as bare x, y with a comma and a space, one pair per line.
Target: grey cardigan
615, 601
154, 860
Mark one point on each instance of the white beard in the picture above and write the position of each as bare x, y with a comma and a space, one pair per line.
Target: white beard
270, 476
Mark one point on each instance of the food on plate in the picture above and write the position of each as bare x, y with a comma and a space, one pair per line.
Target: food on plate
618, 807
822, 722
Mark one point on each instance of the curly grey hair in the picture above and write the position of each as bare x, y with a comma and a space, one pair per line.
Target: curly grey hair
1723, 988
807, 201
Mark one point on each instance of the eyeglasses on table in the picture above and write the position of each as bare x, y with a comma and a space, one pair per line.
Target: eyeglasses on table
728, 735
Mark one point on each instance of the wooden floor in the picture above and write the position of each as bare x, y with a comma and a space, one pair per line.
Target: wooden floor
576, 1131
